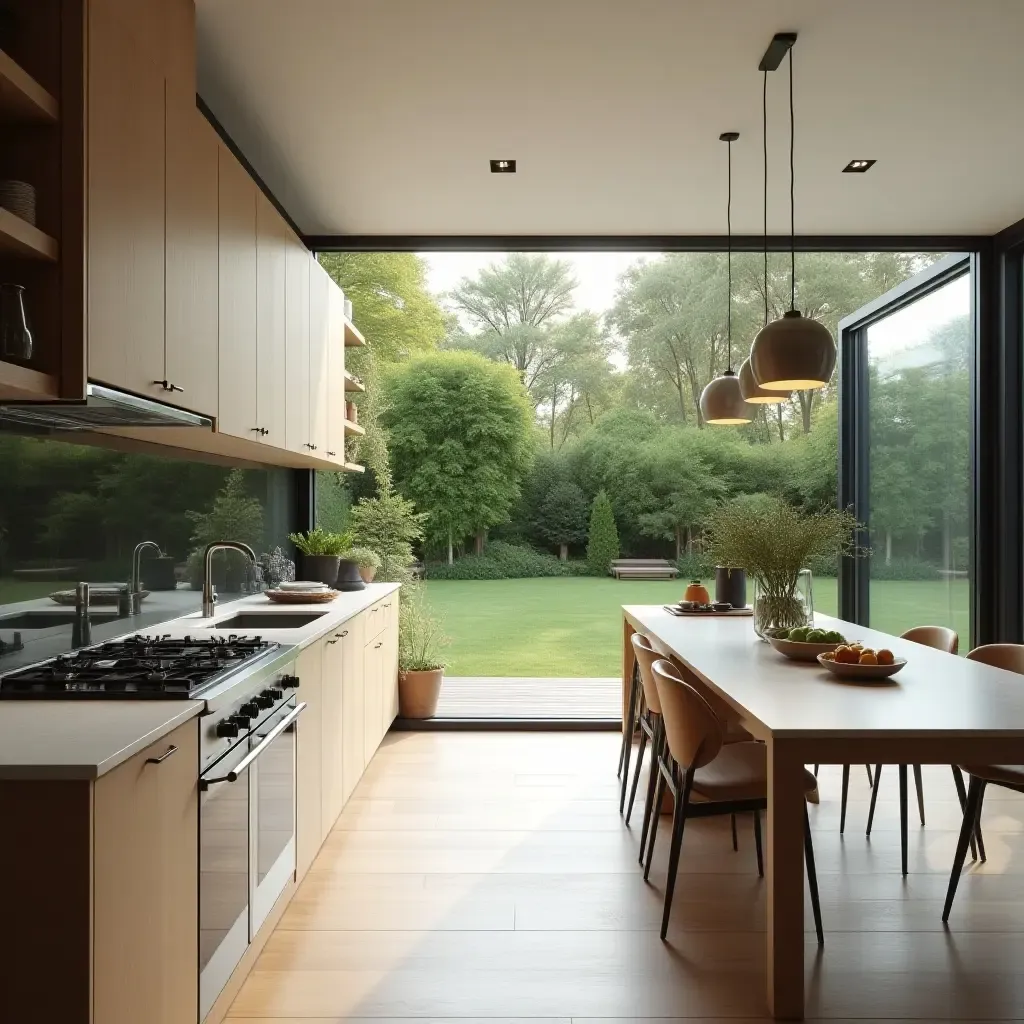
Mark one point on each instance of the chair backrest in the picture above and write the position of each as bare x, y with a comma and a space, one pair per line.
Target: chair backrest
1008, 656
939, 637
646, 656
692, 729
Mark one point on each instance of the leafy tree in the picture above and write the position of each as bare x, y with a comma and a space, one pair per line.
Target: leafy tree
603, 539
513, 305
461, 439
562, 517
389, 525
390, 301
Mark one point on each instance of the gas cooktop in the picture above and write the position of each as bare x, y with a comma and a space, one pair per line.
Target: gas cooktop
137, 667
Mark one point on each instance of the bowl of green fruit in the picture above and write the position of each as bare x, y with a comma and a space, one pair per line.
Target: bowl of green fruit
805, 643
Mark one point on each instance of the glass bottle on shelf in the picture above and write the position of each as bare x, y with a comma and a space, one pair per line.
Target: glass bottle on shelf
15, 336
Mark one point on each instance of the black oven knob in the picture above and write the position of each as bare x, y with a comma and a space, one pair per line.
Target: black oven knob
249, 710
273, 693
264, 700
290, 682
227, 728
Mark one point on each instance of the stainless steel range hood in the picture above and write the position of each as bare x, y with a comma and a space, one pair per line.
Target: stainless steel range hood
103, 407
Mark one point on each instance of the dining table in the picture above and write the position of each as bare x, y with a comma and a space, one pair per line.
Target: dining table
938, 709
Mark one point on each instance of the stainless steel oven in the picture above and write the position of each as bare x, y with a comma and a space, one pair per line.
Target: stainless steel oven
246, 833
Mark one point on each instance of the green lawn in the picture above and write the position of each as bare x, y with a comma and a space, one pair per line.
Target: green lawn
572, 626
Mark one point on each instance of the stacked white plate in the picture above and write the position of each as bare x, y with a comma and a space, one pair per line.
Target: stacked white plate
19, 197
301, 586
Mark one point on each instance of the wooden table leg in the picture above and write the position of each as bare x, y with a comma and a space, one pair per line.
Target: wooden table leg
785, 877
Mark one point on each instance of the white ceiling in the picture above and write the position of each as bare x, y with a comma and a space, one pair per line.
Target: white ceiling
379, 116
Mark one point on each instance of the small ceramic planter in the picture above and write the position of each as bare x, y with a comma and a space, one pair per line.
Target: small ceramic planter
348, 575
418, 693
321, 568
367, 572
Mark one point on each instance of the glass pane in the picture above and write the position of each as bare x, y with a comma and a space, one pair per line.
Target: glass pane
70, 513
920, 429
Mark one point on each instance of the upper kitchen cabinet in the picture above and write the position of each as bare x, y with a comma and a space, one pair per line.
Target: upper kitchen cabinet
270, 323
238, 303
320, 288
336, 373
191, 244
125, 193
296, 324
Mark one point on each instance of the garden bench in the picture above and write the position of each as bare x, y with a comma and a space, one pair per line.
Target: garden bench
643, 569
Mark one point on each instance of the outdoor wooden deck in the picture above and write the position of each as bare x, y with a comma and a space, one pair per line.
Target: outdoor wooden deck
497, 697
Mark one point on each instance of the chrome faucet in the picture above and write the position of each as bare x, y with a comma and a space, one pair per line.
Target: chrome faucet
209, 594
135, 583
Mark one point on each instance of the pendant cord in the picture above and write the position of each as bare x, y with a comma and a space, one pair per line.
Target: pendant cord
728, 221
764, 136
792, 192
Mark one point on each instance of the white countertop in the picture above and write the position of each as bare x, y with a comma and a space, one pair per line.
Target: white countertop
84, 739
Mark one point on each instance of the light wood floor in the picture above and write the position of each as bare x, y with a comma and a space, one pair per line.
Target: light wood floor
561, 700
479, 876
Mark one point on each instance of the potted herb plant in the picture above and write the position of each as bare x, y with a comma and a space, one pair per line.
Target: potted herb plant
420, 667
321, 554
367, 560
775, 542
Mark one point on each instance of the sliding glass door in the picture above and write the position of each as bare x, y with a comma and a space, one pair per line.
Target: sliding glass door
906, 365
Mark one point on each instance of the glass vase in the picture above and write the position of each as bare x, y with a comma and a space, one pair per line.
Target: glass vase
15, 336
783, 606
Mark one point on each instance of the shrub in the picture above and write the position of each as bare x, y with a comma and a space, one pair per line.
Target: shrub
365, 558
603, 540
320, 542
562, 517
388, 524
501, 561
695, 566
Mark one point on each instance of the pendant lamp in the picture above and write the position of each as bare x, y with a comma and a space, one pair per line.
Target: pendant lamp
795, 352
721, 402
752, 391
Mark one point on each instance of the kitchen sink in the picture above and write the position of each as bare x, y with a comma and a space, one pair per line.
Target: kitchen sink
51, 620
267, 620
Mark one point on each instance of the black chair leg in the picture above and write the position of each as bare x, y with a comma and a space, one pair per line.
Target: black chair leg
842, 806
874, 797
919, 786
867, 768
659, 795
903, 818
757, 843
639, 768
971, 811
816, 767
652, 782
735, 838
977, 826
678, 822
961, 792
632, 712
812, 878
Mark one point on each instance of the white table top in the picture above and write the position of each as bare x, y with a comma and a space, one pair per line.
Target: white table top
934, 695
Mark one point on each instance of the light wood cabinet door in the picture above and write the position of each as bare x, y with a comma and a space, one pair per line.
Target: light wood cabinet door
336, 374
125, 194
389, 666
270, 323
308, 819
319, 349
332, 732
192, 256
373, 663
145, 879
353, 687
237, 298
296, 319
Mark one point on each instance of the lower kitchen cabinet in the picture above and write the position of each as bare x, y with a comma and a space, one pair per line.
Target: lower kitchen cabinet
309, 770
332, 742
102, 925
352, 699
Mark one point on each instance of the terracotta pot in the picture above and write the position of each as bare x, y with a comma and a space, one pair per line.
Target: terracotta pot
418, 693
367, 572
321, 568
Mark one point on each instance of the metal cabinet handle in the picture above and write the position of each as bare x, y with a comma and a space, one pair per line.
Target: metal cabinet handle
262, 431
232, 776
332, 641
340, 635
168, 386
172, 749
375, 646
332, 453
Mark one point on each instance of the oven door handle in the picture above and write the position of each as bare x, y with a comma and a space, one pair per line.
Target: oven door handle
232, 776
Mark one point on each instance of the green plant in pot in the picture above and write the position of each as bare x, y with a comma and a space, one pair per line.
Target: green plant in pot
367, 560
321, 554
774, 542
420, 666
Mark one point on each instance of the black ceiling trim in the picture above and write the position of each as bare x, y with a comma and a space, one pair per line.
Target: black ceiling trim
641, 243
210, 116
1010, 236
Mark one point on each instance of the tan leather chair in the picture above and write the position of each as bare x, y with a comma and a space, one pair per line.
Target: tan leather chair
939, 638
650, 727
1009, 776
706, 776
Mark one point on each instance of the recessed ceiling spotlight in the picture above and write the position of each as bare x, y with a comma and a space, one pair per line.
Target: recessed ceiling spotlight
858, 166
503, 167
